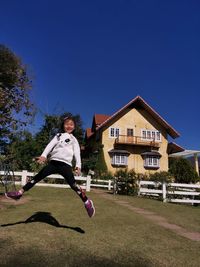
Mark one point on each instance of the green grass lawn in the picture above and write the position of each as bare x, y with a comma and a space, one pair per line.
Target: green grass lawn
52, 228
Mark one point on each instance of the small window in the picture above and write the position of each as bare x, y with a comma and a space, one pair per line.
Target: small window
114, 132
148, 134
144, 134
158, 136
153, 134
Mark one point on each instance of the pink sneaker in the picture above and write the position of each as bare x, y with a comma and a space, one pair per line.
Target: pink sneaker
16, 195
90, 208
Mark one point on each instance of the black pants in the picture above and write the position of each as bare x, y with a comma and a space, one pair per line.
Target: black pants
61, 168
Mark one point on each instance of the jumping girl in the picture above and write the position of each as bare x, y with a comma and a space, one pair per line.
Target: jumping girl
61, 150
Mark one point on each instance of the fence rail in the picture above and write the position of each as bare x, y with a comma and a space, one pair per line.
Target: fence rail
171, 192
23, 176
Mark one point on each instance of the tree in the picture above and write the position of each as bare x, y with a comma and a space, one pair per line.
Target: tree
182, 170
15, 106
21, 150
93, 159
50, 128
161, 176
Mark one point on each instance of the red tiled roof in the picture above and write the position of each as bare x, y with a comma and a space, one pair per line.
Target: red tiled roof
100, 118
139, 101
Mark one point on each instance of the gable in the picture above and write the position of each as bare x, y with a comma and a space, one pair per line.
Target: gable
139, 104
133, 121
98, 119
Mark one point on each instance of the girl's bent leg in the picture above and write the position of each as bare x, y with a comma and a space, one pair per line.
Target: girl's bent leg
46, 171
66, 171
87, 202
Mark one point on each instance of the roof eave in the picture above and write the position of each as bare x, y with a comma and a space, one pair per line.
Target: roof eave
170, 130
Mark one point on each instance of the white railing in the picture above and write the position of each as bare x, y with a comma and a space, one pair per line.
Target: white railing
23, 177
171, 192
102, 184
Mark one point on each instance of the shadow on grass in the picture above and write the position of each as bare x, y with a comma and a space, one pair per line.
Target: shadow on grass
45, 217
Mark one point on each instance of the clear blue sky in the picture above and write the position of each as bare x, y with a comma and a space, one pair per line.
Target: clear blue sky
91, 57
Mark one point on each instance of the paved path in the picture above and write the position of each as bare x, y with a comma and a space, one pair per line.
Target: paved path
157, 219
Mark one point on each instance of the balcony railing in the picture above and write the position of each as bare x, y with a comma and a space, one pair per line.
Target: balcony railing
136, 140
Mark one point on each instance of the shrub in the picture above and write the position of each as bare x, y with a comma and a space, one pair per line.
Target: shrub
106, 176
162, 176
182, 170
126, 182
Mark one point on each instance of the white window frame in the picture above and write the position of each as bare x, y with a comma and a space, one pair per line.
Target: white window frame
119, 159
114, 132
150, 135
158, 136
152, 162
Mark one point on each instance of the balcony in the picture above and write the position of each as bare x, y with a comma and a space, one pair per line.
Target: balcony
136, 140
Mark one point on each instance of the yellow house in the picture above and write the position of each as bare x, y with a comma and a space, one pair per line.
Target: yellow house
135, 137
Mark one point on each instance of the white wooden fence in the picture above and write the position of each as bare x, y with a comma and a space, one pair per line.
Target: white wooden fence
171, 192
102, 183
23, 176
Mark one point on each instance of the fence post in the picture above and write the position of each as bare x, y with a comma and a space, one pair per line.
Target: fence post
139, 185
109, 184
164, 192
88, 182
24, 177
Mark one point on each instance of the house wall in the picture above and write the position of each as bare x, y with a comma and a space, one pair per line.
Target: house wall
138, 120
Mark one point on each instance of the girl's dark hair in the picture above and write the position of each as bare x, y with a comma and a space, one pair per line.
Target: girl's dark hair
69, 118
